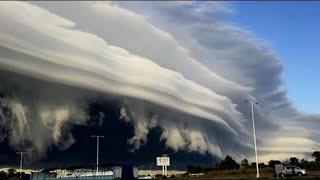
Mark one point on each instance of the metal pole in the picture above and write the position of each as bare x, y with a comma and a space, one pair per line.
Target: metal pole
162, 170
97, 154
21, 161
150, 169
254, 139
97, 137
165, 171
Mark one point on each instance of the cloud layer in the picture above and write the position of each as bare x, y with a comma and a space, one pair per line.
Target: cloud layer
192, 69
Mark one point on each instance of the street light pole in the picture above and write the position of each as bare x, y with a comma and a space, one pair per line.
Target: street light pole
254, 136
21, 160
96, 136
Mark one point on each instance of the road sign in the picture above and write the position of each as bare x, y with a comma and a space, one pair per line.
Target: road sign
278, 169
163, 161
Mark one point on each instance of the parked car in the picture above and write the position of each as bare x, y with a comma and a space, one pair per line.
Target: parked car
293, 171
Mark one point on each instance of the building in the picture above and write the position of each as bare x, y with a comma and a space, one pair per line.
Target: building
124, 171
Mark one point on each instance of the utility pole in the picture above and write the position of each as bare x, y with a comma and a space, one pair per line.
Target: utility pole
252, 103
150, 168
96, 136
21, 161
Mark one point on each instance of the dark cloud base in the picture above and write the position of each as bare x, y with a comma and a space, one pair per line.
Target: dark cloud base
114, 147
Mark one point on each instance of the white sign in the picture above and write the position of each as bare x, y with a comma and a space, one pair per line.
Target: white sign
278, 168
163, 161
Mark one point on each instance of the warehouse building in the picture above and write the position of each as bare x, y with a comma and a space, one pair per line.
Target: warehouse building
119, 171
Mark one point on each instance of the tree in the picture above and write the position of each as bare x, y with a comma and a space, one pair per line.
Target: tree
310, 165
262, 165
228, 163
294, 161
253, 165
304, 163
316, 156
271, 163
245, 163
194, 169
3, 175
11, 172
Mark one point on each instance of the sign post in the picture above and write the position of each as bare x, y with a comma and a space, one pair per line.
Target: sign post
164, 162
278, 169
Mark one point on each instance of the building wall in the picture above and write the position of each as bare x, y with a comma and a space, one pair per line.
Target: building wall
154, 172
53, 176
77, 178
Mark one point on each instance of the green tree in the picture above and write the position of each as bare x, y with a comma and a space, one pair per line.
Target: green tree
11, 172
228, 163
316, 156
262, 165
245, 163
3, 175
194, 169
304, 163
271, 163
252, 165
294, 161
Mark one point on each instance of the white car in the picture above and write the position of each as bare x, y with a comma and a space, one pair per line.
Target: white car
293, 171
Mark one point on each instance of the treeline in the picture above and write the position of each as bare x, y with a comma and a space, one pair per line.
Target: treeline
311, 165
11, 174
228, 163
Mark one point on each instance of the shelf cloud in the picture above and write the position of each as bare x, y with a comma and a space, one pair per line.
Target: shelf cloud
177, 66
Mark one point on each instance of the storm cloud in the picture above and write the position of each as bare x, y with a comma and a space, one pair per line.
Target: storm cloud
176, 66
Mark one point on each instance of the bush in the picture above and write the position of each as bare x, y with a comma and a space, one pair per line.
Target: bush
243, 170
273, 162
194, 169
3, 175
228, 163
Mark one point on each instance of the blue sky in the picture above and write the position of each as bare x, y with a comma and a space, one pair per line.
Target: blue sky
292, 30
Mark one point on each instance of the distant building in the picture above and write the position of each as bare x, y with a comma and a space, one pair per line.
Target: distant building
123, 171
72, 176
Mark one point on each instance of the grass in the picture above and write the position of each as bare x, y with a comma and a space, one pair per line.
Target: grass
244, 174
